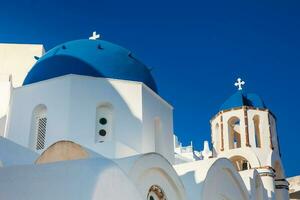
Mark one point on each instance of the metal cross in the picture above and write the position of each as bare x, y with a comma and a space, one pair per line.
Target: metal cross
239, 83
95, 36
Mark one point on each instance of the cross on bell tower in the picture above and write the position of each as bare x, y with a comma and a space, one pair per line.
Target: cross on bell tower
239, 84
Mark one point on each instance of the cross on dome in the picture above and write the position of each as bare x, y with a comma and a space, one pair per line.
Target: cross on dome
95, 36
239, 84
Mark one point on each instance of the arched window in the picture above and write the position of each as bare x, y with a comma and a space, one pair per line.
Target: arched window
39, 127
156, 193
257, 131
234, 133
104, 118
240, 163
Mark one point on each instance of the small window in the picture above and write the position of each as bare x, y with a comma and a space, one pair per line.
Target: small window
103, 123
102, 132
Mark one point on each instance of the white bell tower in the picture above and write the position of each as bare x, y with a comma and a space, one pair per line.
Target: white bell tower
244, 131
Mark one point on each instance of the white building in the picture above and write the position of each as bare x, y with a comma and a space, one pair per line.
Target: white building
86, 122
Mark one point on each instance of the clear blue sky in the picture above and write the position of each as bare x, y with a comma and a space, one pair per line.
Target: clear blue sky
196, 49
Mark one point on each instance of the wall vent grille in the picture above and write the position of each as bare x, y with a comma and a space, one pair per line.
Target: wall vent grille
41, 133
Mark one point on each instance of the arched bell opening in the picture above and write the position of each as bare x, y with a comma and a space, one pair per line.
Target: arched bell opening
234, 133
240, 163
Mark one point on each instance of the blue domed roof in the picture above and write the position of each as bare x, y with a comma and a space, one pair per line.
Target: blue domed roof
95, 58
241, 98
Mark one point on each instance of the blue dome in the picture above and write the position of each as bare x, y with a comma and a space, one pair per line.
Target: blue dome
95, 58
240, 98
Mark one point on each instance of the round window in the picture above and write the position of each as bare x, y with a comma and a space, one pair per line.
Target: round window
151, 198
102, 132
103, 121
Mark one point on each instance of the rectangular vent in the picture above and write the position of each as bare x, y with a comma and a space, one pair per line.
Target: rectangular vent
41, 133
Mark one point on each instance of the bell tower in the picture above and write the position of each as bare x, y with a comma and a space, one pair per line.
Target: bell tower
244, 131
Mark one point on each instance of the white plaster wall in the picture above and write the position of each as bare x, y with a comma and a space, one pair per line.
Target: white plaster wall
91, 179
55, 95
155, 108
152, 169
12, 154
212, 179
228, 185
87, 93
71, 103
254, 184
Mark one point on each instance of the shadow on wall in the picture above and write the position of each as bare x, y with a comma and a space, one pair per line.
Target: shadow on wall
2, 125
214, 180
90, 179
154, 176
84, 123
112, 118
256, 185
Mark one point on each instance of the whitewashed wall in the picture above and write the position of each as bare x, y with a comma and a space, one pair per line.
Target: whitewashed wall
71, 103
91, 179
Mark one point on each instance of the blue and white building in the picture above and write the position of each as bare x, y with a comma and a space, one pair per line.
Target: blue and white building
85, 120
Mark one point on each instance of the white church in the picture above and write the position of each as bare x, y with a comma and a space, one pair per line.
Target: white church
84, 121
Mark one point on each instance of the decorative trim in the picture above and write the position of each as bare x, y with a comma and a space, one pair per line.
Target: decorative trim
281, 179
246, 126
222, 133
282, 187
266, 167
267, 174
282, 184
158, 192
270, 173
237, 108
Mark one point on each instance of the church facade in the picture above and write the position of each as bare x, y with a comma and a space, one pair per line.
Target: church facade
85, 121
